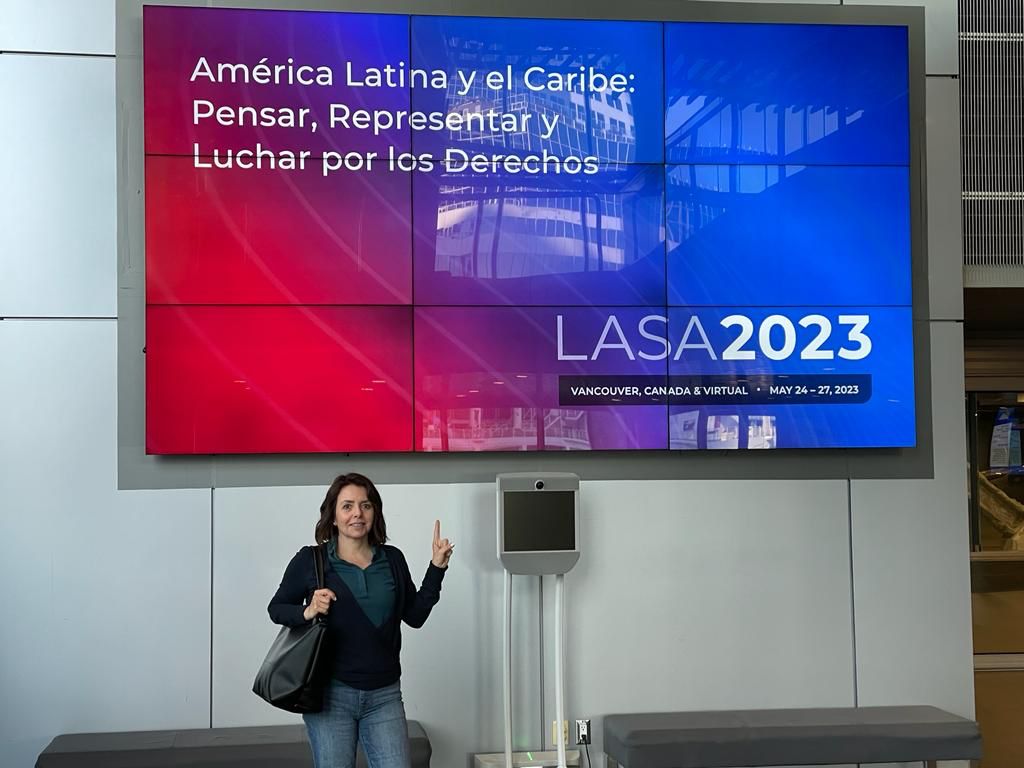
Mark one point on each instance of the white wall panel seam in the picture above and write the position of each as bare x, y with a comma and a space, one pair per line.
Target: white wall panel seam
15, 52
853, 590
212, 551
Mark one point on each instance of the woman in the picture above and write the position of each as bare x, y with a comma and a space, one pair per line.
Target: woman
367, 594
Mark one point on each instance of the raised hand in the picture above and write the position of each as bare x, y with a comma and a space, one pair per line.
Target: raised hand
442, 548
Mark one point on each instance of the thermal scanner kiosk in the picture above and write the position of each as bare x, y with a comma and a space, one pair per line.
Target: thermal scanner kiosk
538, 535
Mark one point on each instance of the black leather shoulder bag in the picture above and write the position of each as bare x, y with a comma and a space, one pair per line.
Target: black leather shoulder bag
294, 673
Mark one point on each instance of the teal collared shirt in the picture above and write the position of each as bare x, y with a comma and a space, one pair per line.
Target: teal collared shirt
372, 587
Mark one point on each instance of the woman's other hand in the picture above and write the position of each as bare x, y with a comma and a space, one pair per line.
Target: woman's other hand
442, 548
322, 599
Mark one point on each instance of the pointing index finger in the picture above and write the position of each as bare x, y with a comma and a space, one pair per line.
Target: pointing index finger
437, 531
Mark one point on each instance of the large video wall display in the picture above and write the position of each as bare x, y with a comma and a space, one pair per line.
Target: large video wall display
373, 233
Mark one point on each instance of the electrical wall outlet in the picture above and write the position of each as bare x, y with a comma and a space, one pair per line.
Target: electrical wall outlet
554, 732
582, 731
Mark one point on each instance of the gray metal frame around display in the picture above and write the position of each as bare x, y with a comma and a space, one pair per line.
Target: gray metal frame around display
136, 470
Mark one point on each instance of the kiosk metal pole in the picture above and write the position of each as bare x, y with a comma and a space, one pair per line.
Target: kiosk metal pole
559, 665
507, 676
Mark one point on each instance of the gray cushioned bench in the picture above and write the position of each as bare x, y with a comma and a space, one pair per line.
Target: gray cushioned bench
729, 739
274, 746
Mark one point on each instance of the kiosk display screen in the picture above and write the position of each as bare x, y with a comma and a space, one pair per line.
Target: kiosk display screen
539, 521
395, 233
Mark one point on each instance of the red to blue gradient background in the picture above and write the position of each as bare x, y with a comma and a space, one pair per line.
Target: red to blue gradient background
759, 169
279, 313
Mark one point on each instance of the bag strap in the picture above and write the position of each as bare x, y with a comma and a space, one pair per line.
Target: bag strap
318, 563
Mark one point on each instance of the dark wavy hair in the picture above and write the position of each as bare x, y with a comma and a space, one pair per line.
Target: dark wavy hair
325, 528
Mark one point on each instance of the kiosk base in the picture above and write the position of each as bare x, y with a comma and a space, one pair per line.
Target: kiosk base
548, 759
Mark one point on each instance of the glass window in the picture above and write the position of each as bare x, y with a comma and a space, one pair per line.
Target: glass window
997, 471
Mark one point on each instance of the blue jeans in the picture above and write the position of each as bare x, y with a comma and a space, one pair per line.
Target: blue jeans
376, 719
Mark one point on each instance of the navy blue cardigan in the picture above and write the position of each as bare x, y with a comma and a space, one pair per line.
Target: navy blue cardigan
363, 656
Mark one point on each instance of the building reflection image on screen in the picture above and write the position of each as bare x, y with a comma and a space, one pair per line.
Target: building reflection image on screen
761, 432
720, 431
503, 239
614, 126
505, 429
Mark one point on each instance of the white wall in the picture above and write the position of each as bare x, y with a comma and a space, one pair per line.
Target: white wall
145, 609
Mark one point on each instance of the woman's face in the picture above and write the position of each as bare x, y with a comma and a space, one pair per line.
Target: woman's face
353, 513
